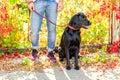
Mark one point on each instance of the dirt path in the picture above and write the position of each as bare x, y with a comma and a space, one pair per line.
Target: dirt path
48, 74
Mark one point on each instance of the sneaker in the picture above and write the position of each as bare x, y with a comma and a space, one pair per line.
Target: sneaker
51, 57
34, 54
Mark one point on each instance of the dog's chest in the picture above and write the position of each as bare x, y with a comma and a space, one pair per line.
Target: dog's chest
72, 37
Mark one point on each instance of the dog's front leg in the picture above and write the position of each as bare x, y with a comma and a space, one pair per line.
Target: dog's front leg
68, 59
76, 66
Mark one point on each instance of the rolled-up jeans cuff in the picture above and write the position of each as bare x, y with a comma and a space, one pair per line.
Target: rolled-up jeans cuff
49, 49
34, 47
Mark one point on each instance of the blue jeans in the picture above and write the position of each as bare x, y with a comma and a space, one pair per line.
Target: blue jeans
49, 8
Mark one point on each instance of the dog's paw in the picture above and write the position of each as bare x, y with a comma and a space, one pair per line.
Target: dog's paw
68, 67
76, 68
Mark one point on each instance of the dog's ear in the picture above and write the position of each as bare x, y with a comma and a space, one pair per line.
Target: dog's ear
74, 21
81, 15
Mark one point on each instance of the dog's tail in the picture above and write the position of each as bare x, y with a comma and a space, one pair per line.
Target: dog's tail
57, 49
60, 51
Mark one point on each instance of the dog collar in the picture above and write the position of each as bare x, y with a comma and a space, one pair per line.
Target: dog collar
71, 27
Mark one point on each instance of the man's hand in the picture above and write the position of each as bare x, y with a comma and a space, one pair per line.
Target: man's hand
30, 5
60, 5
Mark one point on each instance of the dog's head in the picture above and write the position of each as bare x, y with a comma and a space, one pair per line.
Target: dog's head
79, 20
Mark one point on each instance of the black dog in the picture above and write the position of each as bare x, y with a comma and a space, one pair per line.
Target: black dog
70, 42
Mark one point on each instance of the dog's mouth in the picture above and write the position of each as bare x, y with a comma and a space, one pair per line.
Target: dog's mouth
86, 27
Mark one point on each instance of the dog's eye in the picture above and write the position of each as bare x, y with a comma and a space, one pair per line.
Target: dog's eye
83, 16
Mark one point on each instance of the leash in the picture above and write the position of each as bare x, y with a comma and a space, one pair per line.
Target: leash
52, 21
44, 17
71, 27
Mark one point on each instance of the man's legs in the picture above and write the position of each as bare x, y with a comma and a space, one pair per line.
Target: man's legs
36, 21
51, 14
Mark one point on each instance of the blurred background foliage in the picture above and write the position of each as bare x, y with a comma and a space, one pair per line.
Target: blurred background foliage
14, 19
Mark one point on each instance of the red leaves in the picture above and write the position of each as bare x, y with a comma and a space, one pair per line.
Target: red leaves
3, 13
16, 54
92, 42
2, 57
105, 8
114, 47
113, 65
118, 15
10, 56
109, 48
97, 0
117, 9
27, 54
14, 7
99, 46
6, 30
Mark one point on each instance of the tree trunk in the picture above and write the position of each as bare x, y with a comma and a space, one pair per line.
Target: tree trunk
114, 31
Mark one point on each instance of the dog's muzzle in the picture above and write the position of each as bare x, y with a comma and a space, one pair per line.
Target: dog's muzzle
86, 27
